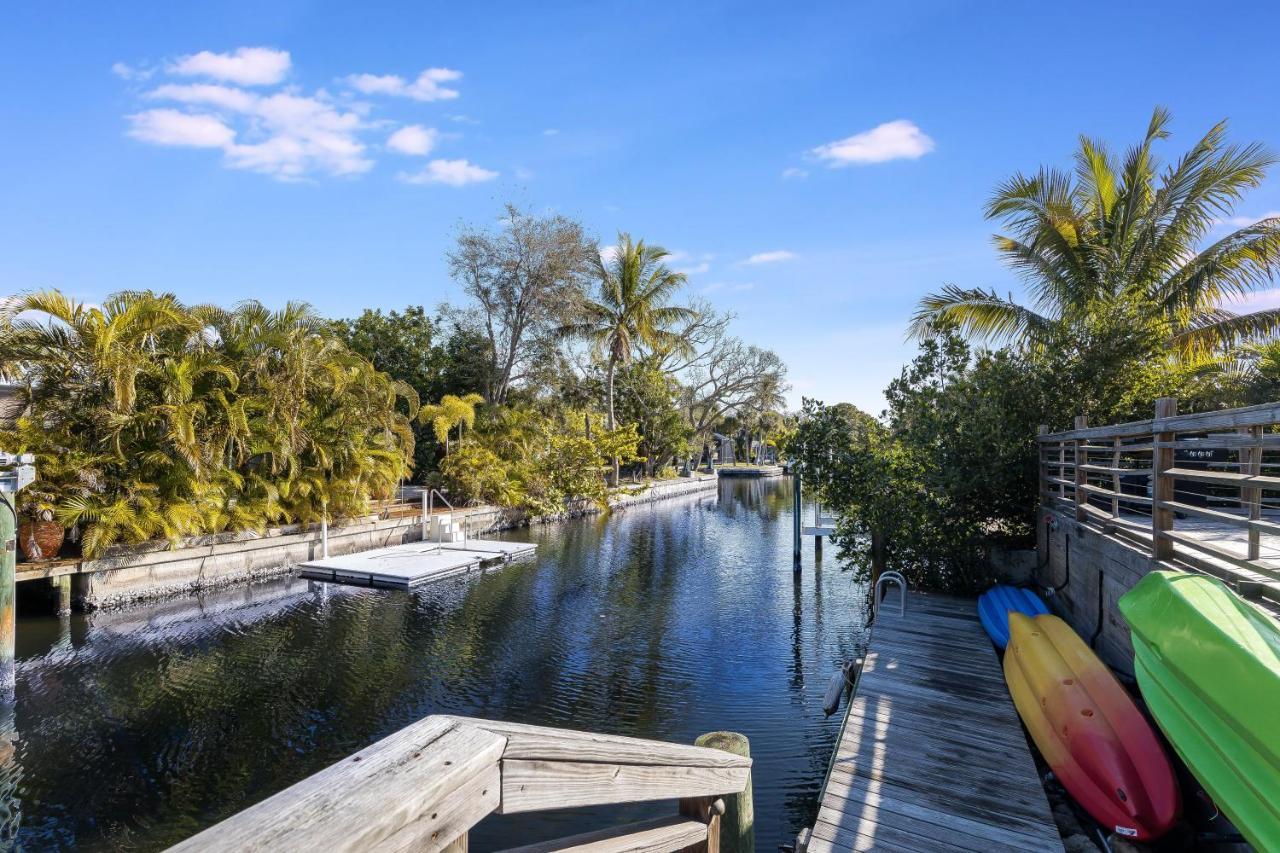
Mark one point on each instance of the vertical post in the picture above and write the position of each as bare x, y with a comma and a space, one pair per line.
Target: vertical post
1062, 469
1251, 460
1082, 476
62, 594
1115, 477
426, 515
1162, 483
1041, 465
796, 509
324, 532
707, 810
737, 827
8, 584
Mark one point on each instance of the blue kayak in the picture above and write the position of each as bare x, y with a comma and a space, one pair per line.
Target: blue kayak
995, 604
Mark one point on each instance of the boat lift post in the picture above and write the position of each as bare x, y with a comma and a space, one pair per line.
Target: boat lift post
16, 471
796, 510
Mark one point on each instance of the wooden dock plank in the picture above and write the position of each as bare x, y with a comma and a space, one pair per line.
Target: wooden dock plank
932, 756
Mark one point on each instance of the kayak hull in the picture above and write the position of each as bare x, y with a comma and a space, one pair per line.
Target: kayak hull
1208, 664
1089, 731
995, 605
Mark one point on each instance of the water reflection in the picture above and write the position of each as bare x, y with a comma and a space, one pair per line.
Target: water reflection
138, 727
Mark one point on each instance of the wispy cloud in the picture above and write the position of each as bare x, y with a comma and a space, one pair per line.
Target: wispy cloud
689, 263
132, 73
261, 125
551, 131
1246, 221
893, 140
726, 287
773, 257
454, 173
413, 139
246, 66
793, 173
171, 127
426, 87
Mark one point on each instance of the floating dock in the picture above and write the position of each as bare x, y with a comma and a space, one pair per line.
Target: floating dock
932, 755
405, 566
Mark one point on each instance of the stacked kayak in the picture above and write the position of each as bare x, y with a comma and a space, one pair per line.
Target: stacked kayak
995, 605
1208, 664
1088, 729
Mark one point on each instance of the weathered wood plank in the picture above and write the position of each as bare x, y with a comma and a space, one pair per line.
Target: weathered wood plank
396, 790
541, 743
530, 785
932, 756
649, 836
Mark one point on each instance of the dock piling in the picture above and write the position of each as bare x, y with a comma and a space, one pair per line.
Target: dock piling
795, 517
737, 825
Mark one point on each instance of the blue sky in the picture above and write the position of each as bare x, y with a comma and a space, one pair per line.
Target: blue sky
298, 151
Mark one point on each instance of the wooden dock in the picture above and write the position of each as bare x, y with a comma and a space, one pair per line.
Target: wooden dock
405, 566
932, 755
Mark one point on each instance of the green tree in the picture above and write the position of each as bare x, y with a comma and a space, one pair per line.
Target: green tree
1125, 240
452, 411
631, 309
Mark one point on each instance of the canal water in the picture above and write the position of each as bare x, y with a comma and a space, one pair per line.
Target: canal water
136, 728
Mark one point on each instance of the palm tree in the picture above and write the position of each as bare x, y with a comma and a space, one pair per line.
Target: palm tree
1125, 239
452, 411
631, 310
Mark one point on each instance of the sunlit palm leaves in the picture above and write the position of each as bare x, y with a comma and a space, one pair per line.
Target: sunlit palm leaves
202, 419
1123, 235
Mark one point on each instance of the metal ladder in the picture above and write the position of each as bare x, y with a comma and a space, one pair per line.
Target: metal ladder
887, 577
428, 507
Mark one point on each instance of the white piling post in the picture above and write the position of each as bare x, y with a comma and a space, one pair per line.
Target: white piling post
324, 531
426, 515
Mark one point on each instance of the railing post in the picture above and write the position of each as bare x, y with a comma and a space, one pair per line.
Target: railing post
705, 810
1082, 478
1043, 466
737, 829
1251, 464
1162, 483
1115, 477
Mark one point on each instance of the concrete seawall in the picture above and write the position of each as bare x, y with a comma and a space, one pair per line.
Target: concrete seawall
131, 573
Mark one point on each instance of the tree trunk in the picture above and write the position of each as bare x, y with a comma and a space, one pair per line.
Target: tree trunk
608, 383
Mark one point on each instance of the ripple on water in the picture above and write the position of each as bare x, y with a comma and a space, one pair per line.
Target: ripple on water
137, 727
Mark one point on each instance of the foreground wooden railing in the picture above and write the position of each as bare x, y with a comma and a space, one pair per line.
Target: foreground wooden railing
1200, 488
425, 786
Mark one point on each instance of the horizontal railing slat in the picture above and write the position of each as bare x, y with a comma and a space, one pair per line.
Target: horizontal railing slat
648, 836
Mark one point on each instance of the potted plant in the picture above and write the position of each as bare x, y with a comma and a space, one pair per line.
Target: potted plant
61, 469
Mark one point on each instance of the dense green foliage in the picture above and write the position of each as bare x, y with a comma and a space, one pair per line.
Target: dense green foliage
151, 418
1130, 285
154, 419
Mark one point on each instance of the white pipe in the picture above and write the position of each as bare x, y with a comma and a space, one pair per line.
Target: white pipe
426, 515
324, 537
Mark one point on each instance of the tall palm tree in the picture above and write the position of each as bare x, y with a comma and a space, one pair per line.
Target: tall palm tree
631, 309
1125, 238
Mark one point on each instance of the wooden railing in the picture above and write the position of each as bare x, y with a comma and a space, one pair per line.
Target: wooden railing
425, 786
1201, 488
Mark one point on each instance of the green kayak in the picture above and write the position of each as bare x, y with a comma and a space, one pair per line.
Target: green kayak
1208, 663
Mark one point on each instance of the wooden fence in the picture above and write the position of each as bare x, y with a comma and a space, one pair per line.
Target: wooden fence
1200, 488
425, 786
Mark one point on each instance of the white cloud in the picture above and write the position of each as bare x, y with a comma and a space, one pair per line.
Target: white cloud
247, 66
425, 88
285, 135
1246, 221
128, 72
551, 131
893, 140
413, 139
455, 173
793, 172
171, 127
770, 257
608, 254
208, 94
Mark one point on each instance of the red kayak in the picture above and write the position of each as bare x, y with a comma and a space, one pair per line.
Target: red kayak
1099, 745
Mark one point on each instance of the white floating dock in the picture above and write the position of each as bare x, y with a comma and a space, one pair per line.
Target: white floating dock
405, 566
